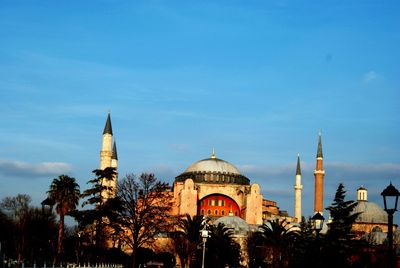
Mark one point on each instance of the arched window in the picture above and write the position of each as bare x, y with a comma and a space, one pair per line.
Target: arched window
209, 212
216, 212
223, 212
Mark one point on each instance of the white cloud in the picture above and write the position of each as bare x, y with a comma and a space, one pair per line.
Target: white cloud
19, 169
370, 76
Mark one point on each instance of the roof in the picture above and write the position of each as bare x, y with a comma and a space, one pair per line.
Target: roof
238, 225
213, 165
107, 127
370, 213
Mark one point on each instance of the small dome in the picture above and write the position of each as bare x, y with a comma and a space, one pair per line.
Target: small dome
213, 165
370, 213
238, 225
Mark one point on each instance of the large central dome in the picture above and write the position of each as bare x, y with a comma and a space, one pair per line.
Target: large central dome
213, 165
213, 170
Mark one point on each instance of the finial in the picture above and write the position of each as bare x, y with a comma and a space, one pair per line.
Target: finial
108, 128
319, 150
298, 170
213, 154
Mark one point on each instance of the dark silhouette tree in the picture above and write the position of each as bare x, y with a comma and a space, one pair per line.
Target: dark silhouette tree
26, 232
222, 249
339, 245
143, 207
187, 238
93, 221
279, 239
65, 193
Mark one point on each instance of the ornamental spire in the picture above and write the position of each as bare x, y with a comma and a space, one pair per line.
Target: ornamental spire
298, 170
213, 154
319, 151
114, 152
108, 128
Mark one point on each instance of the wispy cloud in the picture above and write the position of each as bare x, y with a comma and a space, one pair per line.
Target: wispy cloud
19, 169
370, 76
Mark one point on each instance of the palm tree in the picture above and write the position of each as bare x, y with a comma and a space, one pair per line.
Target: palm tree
222, 247
65, 193
187, 238
279, 237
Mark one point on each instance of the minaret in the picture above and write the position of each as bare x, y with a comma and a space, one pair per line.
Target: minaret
108, 157
297, 192
114, 164
106, 152
319, 174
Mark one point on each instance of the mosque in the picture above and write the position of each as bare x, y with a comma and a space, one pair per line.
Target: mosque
217, 189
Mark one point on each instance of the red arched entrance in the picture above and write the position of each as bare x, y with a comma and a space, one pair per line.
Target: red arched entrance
218, 205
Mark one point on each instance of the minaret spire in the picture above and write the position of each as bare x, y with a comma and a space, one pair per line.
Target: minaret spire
319, 174
114, 151
297, 191
298, 169
108, 128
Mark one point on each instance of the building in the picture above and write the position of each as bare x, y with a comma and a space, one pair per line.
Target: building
211, 187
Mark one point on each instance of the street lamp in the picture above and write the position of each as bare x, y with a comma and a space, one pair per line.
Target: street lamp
390, 199
318, 222
204, 234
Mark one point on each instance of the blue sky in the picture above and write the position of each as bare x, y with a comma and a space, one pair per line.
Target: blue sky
257, 80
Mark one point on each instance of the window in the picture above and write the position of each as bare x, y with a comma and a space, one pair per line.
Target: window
216, 202
209, 212
216, 212
210, 202
202, 212
222, 202
223, 212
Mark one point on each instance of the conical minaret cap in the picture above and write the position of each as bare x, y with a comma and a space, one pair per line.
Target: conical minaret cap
108, 128
298, 169
319, 151
114, 152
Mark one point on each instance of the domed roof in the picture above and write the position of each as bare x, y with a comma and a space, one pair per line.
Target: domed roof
370, 213
238, 225
213, 165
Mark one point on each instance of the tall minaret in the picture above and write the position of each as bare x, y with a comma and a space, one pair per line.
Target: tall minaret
297, 192
108, 156
319, 174
106, 149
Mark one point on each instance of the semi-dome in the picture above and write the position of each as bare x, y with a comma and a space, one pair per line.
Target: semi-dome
213, 170
369, 213
237, 224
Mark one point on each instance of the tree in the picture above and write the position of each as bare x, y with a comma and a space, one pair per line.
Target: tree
143, 210
64, 191
222, 248
93, 220
279, 239
187, 238
26, 231
339, 244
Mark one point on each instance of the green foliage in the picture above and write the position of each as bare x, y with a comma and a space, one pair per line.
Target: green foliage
222, 249
339, 244
65, 193
278, 239
186, 238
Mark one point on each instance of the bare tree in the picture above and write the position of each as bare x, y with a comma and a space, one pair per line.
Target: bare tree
143, 206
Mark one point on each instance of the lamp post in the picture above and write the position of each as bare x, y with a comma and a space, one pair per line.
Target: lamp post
318, 223
390, 199
204, 234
